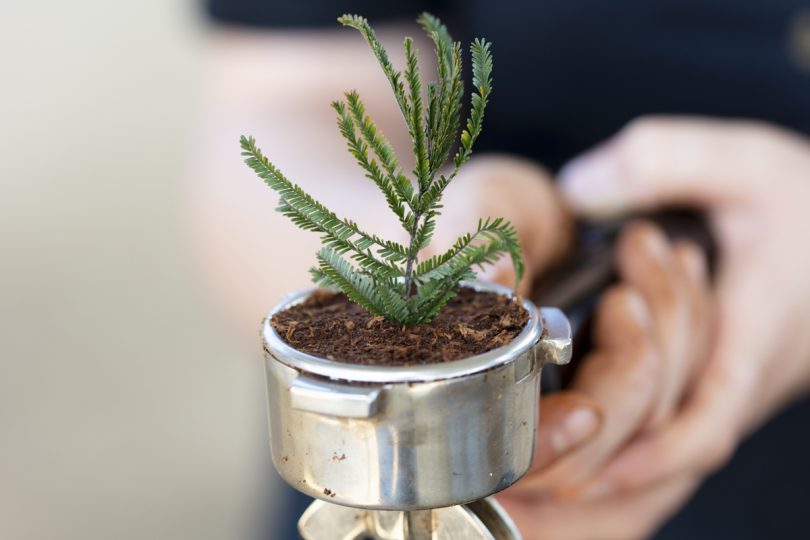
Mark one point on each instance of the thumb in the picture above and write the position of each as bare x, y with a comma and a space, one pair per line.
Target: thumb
519, 191
658, 161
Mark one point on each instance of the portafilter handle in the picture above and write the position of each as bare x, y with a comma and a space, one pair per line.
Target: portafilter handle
575, 285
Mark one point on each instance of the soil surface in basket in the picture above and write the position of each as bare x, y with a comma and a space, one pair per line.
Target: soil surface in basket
330, 326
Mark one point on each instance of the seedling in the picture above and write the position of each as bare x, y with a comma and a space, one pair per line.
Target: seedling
388, 278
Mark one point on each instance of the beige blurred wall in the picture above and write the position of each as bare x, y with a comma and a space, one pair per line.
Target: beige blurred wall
126, 410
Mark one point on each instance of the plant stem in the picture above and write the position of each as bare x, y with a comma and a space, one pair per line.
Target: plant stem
412, 248
412, 253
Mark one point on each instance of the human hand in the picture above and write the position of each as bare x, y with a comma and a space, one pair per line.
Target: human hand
597, 409
753, 181
520, 192
649, 338
523, 193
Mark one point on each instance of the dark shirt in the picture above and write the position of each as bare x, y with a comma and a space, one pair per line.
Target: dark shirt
570, 73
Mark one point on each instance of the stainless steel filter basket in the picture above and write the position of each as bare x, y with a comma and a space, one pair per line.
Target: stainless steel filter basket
409, 438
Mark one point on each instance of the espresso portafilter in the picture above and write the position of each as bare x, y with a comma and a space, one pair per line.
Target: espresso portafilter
414, 452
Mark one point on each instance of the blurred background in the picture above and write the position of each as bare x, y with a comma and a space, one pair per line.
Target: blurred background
127, 410
131, 383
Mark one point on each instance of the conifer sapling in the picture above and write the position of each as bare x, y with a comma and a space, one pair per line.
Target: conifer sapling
388, 278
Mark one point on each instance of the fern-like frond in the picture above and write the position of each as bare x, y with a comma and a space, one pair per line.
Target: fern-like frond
336, 272
347, 122
372, 135
379, 297
497, 228
392, 251
425, 231
320, 279
438, 33
385, 277
433, 295
450, 112
444, 103
340, 234
440, 277
431, 199
499, 238
383, 150
432, 119
482, 80
397, 308
394, 77
416, 124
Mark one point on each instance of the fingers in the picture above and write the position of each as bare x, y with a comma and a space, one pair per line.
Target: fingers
622, 320
650, 335
621, 379
698, 441
672, 281
702, 437
692, 260
657, 161
567, 420
621, 517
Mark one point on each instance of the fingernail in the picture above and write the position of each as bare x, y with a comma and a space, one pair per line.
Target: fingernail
578, 426
591, 182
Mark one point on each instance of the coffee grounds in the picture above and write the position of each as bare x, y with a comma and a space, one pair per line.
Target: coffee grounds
330, 326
